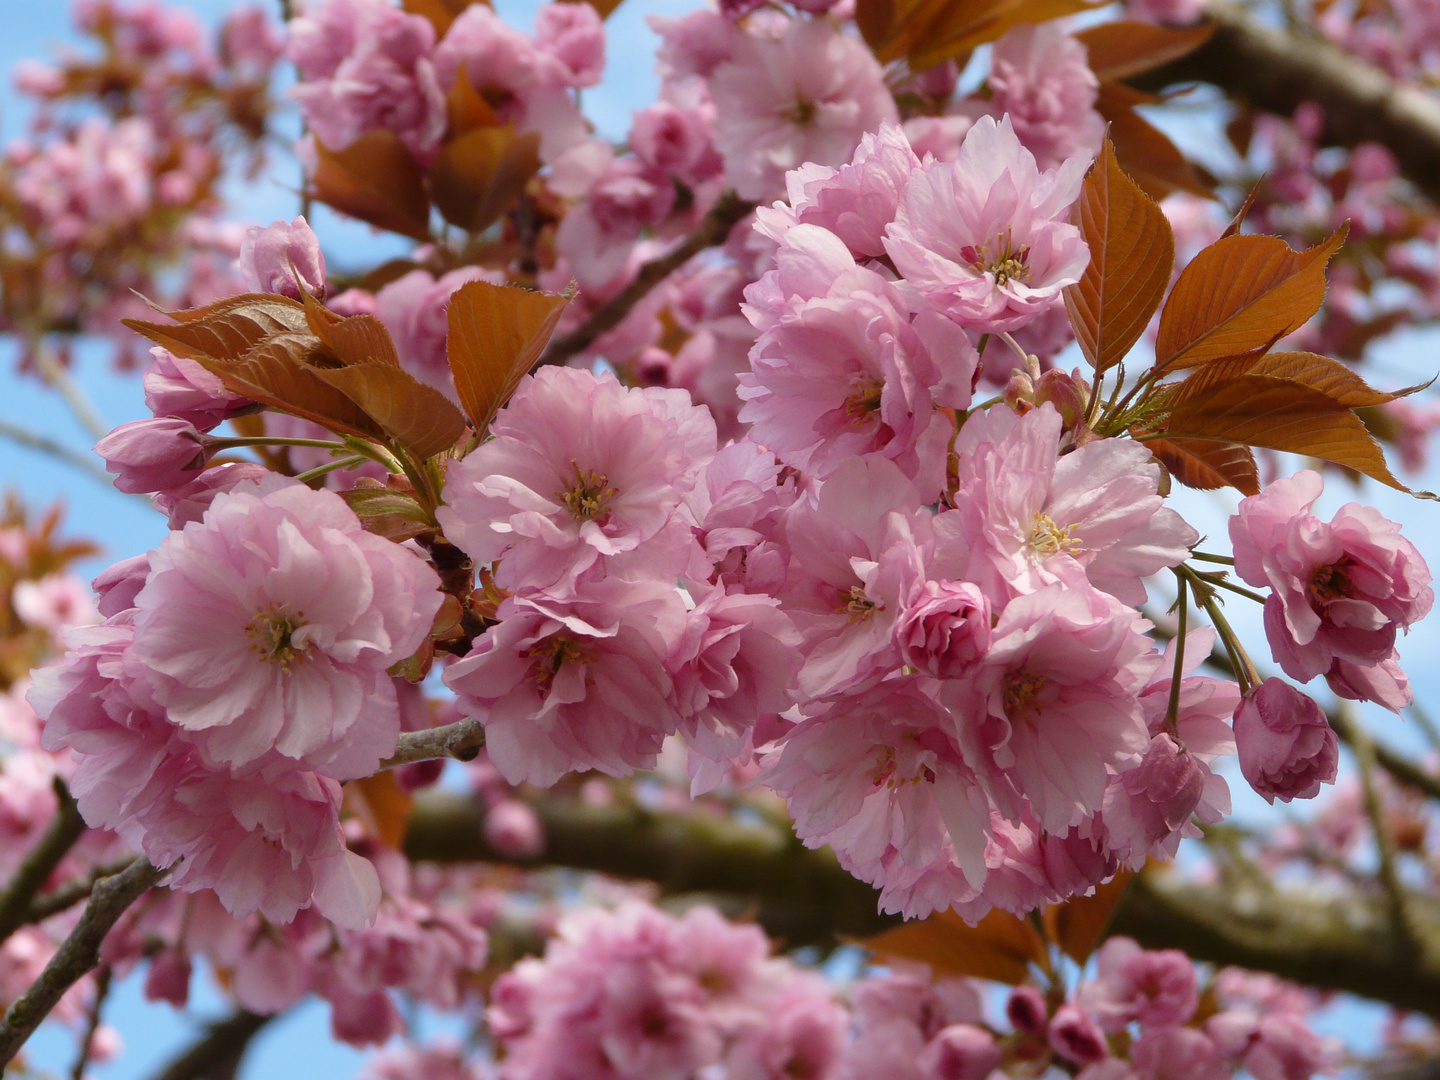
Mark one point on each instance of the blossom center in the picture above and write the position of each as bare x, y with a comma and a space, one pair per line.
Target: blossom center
1006, 263
554, 653
857, 605
803, 112
1048, 538
270, 634
1327, 583
589, 496
864, 400
1020, 695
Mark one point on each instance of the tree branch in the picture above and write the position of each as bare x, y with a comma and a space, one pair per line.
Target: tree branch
77, 956
57, 841
1343, 942
216, 1054
713, 230
1276, 71
461, 740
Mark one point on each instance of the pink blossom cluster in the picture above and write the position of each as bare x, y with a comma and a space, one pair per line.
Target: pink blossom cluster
428, 944
365, 65
635, 993
239, 675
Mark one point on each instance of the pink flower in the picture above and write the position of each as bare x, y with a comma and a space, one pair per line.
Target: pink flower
579, 467
1040, 80
118, 585
568, 685
944, 628
152, 455
526, 85
984, 239
177, 386
188, 502
806, 96
1341, 590
442, 1060
1075, 1036
283, 258
596, 235
514, 830
270, 625
1287, 747
676, 140
853, 376
1026, 516
54, 602
1167, 1052
695, 44
1054, 703
1133, 985
856, 201
574, 35
1284, 1047
413, 309
365, 66
879, 777
960, 1052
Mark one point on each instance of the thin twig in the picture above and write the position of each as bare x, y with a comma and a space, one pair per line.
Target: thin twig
40, 863
217, 1053
58, 379
728, 209
58, 450
461, 740
1409, 941
92, 1024
77, 956
71, 893
1426, 723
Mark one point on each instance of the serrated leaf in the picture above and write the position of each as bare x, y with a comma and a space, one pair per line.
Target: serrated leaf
497, 332
1079, 925
418, 417
1256, 410
225, 330
477, 175
1117, 50
274, 373
1145, 152
1132, 251
376, 180
1207, 466
1239, 295
1233, 229
1000, 946
354, 339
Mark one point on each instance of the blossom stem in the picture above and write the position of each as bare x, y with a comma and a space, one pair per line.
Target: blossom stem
1219, 582
268, 440
1182, 614
1015, 346
1205, 556
77, 956
329, 467
461, 740
1245, 673
716, 226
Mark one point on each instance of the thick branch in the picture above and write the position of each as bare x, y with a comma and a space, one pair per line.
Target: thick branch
58, 839
78, 954
216, 1054
1277, 71
1346, 943
713, 230
461, 740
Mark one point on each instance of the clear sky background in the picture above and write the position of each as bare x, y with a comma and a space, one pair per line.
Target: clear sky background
299, 1045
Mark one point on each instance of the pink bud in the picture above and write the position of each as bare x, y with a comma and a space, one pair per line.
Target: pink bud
1026, 1010
168, 978
944, 627
152, 455
189, 502
1287, 748
960, 1052
1076, 1037
272, 257
514, 830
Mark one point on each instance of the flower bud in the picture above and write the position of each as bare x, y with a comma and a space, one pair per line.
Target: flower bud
283, 258
960, 1052
153, 455
1286, 746
514, 830
1076, 1037
1026, 1010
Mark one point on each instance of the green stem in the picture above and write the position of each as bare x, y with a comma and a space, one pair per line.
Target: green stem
1245, 673
1182, 614
329, 467
1205, 556
267, 440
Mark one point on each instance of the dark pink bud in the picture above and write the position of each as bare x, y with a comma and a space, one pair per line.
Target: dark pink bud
153, 455
1286, 746
1026, 1010
1076, 1037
